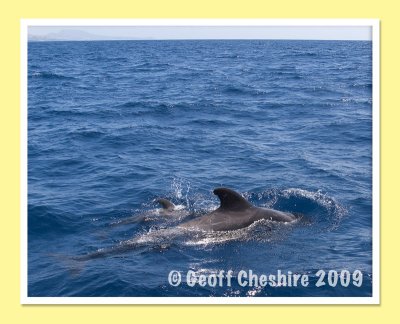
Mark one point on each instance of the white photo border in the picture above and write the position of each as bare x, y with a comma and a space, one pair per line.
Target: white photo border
373, 23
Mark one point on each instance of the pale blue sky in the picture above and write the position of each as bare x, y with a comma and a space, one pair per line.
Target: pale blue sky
199, 32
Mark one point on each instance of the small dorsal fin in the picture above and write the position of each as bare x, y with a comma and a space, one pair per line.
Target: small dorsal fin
231, 200
166, 204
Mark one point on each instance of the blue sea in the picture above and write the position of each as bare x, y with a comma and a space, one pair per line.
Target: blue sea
114, 125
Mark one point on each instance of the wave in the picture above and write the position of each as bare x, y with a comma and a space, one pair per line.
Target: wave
149, 104
356, 100
130, 104
246, 90
367, 85
50, 76
299, 54
228, 56
45, 220
87, 134
151, 67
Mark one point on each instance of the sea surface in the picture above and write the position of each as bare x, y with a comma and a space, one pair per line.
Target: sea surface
114, 125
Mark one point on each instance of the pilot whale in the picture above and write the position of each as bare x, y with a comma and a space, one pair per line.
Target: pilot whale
235, 212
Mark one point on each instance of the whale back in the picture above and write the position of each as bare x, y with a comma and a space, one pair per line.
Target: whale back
231, 200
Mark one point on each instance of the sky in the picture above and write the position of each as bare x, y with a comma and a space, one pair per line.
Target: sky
71, 33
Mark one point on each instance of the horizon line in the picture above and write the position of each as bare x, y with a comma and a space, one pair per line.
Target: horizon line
195, 39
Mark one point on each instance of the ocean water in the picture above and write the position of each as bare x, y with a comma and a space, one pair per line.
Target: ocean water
114, 125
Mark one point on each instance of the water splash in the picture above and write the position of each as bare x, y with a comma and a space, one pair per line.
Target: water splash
317, 207
180, 189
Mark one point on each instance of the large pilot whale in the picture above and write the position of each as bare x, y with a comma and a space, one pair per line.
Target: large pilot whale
235, 212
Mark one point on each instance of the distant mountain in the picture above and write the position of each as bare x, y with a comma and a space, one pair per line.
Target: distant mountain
68, 35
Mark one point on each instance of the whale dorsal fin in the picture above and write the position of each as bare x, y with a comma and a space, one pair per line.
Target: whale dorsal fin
231, 200
166, 204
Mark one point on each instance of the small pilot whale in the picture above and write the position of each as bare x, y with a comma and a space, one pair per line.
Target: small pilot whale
234, 213
166, 204
168, 210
